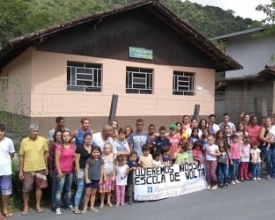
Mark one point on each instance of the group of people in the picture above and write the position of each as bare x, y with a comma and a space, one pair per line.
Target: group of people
102, 164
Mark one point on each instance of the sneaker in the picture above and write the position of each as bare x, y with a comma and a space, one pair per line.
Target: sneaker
236, 181
71, 208
214, 187
58, 211
268, 177
232, 182
221, 186
117, 205
254, 178
226, 185
208, 187
130, 202
258, 178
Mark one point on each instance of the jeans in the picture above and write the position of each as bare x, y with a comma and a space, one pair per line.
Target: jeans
52, 174
256, 170
234, 169
270, 160
80, 189
64, 183
222, 173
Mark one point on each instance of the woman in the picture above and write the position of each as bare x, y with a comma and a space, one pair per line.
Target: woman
185, 123
78, 134
129, 131
269, 153
194, 124
179, 129
114, 124
245, 119
82, 154
202, 124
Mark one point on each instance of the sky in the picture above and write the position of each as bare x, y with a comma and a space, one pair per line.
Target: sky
243, 8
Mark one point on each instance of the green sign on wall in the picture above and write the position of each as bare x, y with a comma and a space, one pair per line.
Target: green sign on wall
140, 53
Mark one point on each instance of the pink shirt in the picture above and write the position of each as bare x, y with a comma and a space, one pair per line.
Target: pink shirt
235, 151
245, 151
174, 140
198, 153
254, 132
66, 160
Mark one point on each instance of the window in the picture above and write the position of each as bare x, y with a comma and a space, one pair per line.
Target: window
139, 80
183, 83
84, 77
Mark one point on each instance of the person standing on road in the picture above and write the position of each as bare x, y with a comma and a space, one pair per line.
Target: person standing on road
6, 154
254, 130
226, 121
103, 137
33, 167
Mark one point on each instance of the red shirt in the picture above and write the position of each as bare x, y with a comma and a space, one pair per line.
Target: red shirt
254, 133
175, 141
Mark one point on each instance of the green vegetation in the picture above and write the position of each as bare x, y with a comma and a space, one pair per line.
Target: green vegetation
18, 17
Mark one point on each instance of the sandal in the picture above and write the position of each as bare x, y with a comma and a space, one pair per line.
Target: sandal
101, 206
39, 210
24, 213
7, 215
77, 211
109, 205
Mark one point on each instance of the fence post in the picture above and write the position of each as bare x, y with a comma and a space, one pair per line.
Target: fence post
196, 111
264, 107
112, 114
256, 107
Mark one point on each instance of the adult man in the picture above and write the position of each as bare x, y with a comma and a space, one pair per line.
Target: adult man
60, 125
33, 166
211, 122
101, 138
254, 130
138, 138
79, 134
227, 122
6, 154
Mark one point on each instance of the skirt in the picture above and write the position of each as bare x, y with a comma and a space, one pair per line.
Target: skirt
107, 186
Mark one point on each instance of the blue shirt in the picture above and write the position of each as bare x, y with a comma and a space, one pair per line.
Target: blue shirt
79, 137
158, 143
138, 140
130, 175
166, 159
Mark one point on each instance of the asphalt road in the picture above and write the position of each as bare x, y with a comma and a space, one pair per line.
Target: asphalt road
245, 201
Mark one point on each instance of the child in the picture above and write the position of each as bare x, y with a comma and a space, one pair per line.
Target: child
234, 156
161, 140
194, 135
270, 136
109, 176
212, 152
146, 159
94, 173
189, 152
133, 165
240, 132
219, 136
244, 158
174, 140
152, 136
198, 152
166, 159
180, 156
179, 129
121, 144
205, 134
222, 164
115, 134
255, 160
184, 138
122, 170
157, 159
227, 134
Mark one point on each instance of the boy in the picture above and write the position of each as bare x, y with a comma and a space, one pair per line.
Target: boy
132, 164
161, 140
152, 136
146, 159
174, 140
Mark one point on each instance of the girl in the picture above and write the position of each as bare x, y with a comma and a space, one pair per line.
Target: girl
255, 160
240, 132
174, 140
234, 156
115, 134
227, 134
219, 136
244, 158
129, 131
212, 152
179, 129
121, 144
198, 152
189, 152
194, 135
82, 154
57, 137
205, 134
222, 164
64, 161
113, 123
185, 123
109, 176
121, 180
94, 173
202, 124
166, 155
180, 156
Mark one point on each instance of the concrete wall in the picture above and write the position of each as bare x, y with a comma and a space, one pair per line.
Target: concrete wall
252, 53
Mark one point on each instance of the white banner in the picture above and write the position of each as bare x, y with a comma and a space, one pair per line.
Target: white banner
164, 182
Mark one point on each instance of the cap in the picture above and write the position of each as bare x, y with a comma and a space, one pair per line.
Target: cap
173, 127
184, 136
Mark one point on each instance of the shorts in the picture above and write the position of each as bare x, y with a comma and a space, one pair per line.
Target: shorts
38, 178
93, 184
6, 185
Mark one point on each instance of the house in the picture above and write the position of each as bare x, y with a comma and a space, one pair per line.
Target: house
251, 89
157, 64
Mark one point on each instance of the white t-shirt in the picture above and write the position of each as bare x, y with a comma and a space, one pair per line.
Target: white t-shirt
6, 148
189, 131
97, 141
211, 149
256, 153
216, 128
121, 175
157, 163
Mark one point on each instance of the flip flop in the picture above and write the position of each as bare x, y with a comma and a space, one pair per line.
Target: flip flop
77, 212
24, 213
39, 211
8, 214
